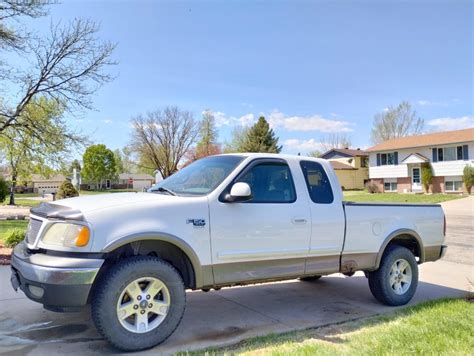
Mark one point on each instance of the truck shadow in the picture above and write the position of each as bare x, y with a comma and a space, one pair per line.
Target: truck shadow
221, 318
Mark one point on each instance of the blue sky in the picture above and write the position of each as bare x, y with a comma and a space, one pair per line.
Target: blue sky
311, 67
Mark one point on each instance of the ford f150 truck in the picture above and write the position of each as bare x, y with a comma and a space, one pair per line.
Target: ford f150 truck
222, 221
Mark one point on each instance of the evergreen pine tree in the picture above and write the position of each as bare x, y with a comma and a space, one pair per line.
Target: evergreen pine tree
261, 138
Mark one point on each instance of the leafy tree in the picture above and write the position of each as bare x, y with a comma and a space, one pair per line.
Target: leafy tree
26, 153
4, 189
237, 142
163, 138
67, 66
315, 153
426, 177
75, 165
396, 122
261, 138
207, 144
468, 177
118, 162
67, 190
99, 164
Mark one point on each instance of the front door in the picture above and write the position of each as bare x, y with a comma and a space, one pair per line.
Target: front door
415, 179
265, 237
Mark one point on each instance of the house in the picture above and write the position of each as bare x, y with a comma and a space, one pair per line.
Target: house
350, 166
135, 181
43, 185
396, 165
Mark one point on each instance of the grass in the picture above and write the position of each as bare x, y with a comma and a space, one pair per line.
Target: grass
435, 327
362, 196
20, 201
95, 192
7, 225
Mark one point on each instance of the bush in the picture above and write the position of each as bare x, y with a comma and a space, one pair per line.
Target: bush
372, 187
426, 177
468, 177
67, 190
4, 189
14, 237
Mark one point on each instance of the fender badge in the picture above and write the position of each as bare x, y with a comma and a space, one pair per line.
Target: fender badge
196, 222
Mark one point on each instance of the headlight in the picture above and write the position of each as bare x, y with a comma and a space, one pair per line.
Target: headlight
67, 235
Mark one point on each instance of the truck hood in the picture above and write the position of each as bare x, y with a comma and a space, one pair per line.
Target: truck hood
90, 203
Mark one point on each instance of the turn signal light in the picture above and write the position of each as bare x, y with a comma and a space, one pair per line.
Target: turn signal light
83, 237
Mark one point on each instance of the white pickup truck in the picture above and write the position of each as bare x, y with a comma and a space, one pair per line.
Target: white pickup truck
222, 221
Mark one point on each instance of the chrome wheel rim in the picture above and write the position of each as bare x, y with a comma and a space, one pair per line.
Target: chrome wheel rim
400, 276
143, 305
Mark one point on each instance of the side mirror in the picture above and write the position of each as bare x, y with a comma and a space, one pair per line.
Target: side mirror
239, 192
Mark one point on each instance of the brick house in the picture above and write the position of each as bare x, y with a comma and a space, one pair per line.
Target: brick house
395, 165
350, 165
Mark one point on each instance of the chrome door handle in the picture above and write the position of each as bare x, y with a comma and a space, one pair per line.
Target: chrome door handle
299, 221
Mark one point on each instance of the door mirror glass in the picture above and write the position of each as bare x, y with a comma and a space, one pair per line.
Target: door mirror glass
239, 192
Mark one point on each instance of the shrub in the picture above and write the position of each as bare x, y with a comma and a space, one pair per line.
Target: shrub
468, 177
4, 189
372, 187
67, 190
426, 177
14, 237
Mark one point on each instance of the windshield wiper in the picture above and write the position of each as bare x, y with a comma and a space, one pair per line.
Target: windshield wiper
166, 190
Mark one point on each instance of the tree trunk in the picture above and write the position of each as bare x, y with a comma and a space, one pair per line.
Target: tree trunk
12, 189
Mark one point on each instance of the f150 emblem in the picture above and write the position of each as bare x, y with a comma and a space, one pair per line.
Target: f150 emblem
196, 222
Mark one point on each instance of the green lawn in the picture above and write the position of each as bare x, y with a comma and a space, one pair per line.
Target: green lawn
105, 191
20, 201
361, 196
7, 225
432, 328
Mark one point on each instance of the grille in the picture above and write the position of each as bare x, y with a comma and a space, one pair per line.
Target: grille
33, 229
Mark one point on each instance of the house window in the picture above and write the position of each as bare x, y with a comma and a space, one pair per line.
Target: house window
364, 162
450, 153
454, 185
387, 159
390, 185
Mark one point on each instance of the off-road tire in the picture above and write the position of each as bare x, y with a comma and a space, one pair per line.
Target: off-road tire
379, 280
111, 285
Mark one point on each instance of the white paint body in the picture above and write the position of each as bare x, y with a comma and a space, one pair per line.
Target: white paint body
236, 232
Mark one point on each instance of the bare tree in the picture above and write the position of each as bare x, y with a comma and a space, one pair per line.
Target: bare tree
162, 138
396, 122
11, 36
68, 67
335, 140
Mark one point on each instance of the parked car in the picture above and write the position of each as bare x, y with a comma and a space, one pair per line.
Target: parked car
222, 221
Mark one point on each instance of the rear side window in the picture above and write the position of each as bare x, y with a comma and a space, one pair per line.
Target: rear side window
317, 182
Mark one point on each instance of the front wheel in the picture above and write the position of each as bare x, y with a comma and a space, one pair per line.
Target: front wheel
395, 282
138, 303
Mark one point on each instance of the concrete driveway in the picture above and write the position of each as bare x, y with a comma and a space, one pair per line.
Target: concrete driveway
233, 314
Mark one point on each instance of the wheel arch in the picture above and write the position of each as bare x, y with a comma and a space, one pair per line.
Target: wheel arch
169, 247
403, 237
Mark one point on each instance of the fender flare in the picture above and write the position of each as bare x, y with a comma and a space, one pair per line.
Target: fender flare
200, 279
393, 235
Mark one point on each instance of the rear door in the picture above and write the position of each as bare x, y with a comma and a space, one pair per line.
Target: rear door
266, 237
327, 220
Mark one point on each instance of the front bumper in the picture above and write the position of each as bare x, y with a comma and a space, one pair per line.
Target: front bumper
56, 282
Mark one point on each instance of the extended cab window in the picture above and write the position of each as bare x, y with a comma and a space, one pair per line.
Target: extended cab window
317, 182
270, 183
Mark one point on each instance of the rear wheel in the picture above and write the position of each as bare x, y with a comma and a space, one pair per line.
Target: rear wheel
310, 279
138, 303
395, 282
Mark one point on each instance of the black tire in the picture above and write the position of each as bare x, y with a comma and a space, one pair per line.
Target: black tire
379, 281
109, 289
310, 279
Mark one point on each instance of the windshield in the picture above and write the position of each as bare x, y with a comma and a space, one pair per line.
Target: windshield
199, 178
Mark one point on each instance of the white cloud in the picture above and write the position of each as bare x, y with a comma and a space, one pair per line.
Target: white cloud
451, 123
308, 123
246, 120
107, 121
304, 146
